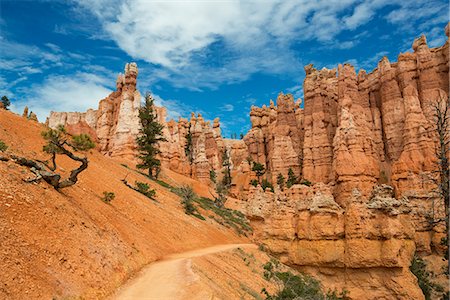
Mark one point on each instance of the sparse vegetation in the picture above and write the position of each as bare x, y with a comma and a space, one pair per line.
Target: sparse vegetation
259, 170
305, 182
108, 197
3, 146
82, 142
5, 101
296, 286
213, 176
280, 181
187, 199
254, 182
292, 179
150, 135
58, 142
419, 269
221, 195
227, 217
144, 189
267, 184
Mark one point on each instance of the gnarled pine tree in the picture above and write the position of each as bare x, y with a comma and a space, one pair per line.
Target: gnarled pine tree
150, 135
59, 142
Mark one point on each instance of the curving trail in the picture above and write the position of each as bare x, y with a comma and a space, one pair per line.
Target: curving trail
171, 277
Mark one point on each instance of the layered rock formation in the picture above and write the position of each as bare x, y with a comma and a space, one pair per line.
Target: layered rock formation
365, 249
357, 130
115, 124
354, 133
193, 147
275, 139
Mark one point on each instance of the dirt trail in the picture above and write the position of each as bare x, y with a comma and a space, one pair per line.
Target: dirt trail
172, 277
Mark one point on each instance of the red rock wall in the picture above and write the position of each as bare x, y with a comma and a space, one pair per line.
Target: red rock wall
115, 124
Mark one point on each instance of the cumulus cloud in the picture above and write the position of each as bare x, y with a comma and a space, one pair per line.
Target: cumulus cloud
76, 92
206, 43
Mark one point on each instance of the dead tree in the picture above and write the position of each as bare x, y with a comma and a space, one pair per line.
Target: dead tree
59, 142
441, 176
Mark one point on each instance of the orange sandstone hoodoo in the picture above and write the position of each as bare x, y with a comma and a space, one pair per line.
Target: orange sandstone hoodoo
364, 140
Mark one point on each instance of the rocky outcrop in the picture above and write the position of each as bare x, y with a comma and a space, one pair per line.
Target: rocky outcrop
115, 124
354, 133
275, 139
365, 249
193, 147
357, 130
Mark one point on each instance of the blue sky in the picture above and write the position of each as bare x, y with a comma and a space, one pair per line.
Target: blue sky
213, 57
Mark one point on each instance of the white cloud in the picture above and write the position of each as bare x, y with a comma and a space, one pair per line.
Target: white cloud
76, 92
227, 107
179, 36
296, 91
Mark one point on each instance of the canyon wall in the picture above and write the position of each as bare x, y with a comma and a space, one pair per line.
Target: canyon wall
364, 249
366, 142
358, 133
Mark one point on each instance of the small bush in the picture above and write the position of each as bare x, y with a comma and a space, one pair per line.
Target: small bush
82, 142
306, 182
300, 286
292, 179
3, 146
280, 181
418, 268
187, 197
212, 176
108, 197
266, 184
254, 182
144, 189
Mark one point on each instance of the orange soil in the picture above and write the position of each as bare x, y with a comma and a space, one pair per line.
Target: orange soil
70, 244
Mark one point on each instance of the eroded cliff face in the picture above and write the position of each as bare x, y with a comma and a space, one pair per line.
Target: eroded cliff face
115, 124
357, 132
354, 134
365, 249
193, 148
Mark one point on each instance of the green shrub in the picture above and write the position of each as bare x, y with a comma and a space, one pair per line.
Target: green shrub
108, 197
300, 286
3, 146
212, 176
292, 179
306, 182
259, 169
266, 184
419, 269
254, 182
82, 142
144, 189
187, 197
6, 102
280, 181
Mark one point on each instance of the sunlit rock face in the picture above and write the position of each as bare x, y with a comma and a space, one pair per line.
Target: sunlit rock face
115, 124
364, 140
367, 145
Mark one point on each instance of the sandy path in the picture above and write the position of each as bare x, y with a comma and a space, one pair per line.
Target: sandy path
171, 277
